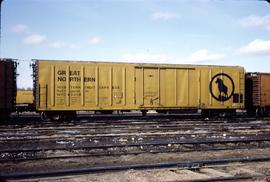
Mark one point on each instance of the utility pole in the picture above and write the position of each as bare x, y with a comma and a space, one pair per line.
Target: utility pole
1, 28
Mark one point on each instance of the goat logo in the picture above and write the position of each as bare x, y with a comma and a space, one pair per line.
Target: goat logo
221, 90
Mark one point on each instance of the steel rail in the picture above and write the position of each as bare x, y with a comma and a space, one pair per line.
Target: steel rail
74, 134
100, 154
34, 155
141, 126
179, 164
115, 124
130, 125
53, 137
155, 143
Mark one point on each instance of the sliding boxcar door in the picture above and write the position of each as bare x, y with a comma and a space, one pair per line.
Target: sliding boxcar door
147, 87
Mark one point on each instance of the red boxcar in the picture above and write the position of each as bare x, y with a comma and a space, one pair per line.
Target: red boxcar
7, 87
258, 93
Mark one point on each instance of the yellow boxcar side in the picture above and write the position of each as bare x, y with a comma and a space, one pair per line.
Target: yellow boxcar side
73, 85
24, 97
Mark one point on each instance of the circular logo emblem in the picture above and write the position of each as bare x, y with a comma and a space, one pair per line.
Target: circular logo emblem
221, 87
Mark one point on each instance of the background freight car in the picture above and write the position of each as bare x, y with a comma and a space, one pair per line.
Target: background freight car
258, 93
63, 87
7, 87
25, 101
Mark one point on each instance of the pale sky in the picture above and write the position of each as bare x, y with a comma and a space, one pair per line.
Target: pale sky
219, 32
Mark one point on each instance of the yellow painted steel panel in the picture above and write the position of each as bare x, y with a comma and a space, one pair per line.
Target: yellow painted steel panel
265, 90
150, 92
24, 97
70, 85
117, 80
90, 86
139, 87
182, 87
167, 87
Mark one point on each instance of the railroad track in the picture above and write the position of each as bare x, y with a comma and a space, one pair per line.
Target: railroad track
28, 131
89, 140
195, 164
52, 142
126, 135
133, 149
19, 143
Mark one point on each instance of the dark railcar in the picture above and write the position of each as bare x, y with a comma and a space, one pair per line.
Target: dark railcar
7, 87
258, 93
